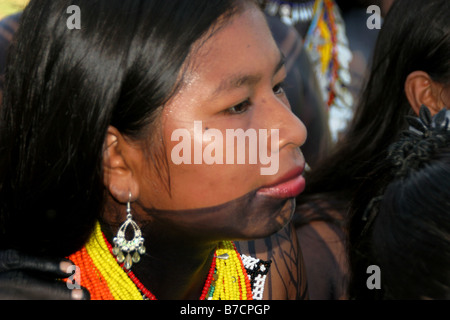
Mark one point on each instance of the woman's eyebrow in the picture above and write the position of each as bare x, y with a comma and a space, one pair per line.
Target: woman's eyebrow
241, 79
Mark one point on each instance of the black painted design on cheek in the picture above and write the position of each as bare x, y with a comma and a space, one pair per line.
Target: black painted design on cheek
250, 216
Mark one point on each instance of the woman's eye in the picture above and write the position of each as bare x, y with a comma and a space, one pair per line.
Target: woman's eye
240, 108
279, 88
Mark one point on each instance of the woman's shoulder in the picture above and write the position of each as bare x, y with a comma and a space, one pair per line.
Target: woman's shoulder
320, 229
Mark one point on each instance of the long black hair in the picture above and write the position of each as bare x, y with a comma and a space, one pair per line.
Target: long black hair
415, 36
65, 87
400, 220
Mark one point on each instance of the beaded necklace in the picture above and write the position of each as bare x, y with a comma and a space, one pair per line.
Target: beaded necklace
106, 279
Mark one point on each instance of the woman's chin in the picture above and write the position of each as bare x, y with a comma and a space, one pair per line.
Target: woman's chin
264, 228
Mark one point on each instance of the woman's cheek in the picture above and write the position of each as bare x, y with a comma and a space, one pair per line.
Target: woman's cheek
210, 161
203, 185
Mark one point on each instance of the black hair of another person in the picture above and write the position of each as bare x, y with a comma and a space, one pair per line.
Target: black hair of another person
414, 36
400, 221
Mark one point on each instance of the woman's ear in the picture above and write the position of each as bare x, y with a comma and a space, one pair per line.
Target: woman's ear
420, 90
120, 177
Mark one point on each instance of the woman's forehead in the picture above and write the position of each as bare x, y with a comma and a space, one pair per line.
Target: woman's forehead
244, 46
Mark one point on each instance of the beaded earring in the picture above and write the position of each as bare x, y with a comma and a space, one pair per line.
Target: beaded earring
123, 247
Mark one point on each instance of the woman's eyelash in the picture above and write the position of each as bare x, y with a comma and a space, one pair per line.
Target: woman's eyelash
239, 108
279, 88
243, 106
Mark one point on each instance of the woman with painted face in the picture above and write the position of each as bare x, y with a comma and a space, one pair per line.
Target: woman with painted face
87, 137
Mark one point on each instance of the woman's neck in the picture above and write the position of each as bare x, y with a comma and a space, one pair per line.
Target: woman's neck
172, 267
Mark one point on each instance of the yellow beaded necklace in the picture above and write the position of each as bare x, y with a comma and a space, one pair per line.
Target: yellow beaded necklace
232, 280
104, 277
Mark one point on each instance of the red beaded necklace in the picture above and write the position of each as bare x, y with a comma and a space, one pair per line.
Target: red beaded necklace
105, 278
150, 296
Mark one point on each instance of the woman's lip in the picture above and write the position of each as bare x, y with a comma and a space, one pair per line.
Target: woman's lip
288, 186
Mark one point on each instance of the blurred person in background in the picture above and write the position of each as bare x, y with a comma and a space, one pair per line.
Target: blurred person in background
410, 68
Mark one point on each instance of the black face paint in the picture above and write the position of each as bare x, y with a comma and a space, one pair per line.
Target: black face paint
251, 216
188, 237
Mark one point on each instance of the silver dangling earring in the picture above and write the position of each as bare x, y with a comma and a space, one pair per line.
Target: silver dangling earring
124, 246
